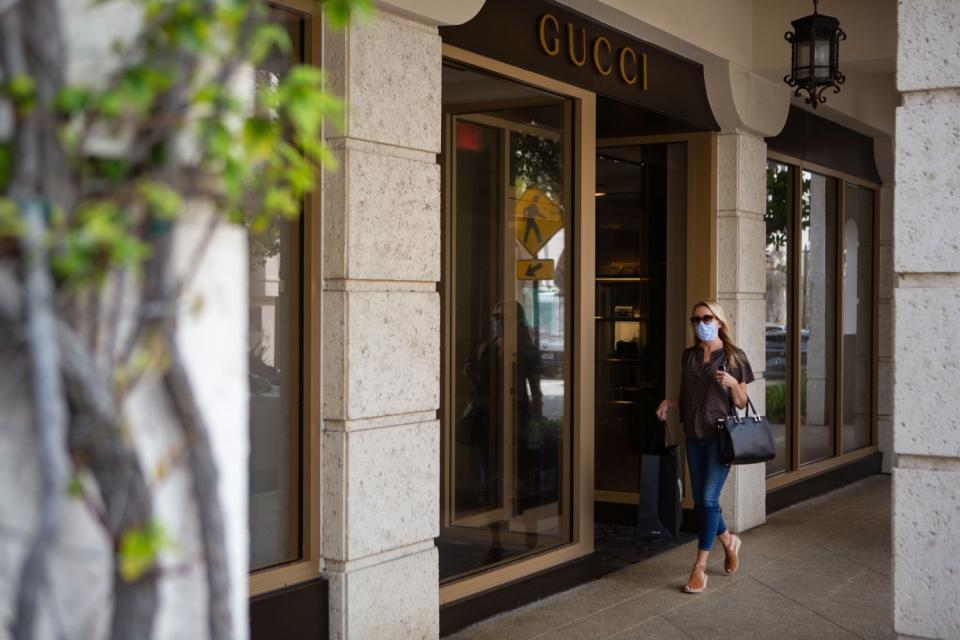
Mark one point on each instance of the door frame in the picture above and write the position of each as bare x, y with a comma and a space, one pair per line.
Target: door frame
582, 379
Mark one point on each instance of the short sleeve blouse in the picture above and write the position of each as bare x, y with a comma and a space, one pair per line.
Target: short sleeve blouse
702, 400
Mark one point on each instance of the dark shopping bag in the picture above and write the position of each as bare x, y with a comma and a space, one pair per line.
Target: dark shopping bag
659, 512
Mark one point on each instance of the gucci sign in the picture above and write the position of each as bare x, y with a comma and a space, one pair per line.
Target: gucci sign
630, 65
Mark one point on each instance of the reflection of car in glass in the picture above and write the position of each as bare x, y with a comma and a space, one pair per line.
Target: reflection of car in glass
549, 320
777, 350
551, 357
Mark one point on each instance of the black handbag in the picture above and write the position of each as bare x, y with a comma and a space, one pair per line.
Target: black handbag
747, 439
659, 511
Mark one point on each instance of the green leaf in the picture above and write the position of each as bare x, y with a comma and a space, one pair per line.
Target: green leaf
75, 486
260, 136
71, 100
340, 12
140, 84
281, 201
11, 223
140, 548
98, 241
22, 90
163, 201
111, 104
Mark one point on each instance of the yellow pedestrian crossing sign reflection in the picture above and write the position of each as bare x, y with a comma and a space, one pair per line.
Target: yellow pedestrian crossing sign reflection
534, 269
538, 219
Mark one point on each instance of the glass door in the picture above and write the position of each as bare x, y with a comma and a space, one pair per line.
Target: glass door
507, 436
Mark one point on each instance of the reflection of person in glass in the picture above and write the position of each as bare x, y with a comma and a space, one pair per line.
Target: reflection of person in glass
482, 414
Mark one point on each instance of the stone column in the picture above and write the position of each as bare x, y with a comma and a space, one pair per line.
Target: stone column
883, 151
926, 241
381, 332
741, 290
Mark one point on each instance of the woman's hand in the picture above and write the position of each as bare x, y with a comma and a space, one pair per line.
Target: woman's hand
726, 380
665, 405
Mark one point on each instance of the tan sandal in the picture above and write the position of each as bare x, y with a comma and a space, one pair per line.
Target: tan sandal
698, 579
731, 560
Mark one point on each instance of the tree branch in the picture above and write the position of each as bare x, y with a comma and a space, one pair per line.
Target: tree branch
49, 413
96, 441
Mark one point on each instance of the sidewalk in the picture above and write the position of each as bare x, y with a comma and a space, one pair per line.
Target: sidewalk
819, 570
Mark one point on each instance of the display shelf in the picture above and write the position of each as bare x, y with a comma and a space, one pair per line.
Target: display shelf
610, 279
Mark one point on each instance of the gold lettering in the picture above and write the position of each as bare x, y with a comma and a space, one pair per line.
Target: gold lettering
623, 65
596, 55
555, 41
644, 85
583, 46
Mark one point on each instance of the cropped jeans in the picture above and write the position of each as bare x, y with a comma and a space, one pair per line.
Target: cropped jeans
707, 475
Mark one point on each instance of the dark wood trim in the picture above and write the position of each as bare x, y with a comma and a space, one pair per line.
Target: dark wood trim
824, 483
295, 613
809, 137
460, 614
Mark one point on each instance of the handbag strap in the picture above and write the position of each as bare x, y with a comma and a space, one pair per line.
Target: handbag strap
732, 409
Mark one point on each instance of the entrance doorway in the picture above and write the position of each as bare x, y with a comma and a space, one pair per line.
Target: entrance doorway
641, 211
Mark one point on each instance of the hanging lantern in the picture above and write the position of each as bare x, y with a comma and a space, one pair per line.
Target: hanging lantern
815, 56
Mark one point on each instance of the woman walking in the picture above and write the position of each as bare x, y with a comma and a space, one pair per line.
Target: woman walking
713, 370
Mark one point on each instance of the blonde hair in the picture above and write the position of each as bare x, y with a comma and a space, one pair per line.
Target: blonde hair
725, 334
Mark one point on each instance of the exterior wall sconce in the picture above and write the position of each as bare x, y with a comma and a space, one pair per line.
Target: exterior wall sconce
815, 56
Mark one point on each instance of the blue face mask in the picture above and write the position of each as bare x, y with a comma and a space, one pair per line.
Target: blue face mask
496, 326
706, 332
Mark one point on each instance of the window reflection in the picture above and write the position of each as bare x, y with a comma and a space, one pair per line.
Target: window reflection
778, 218
507, 434
857, 317
274, 361
817, 316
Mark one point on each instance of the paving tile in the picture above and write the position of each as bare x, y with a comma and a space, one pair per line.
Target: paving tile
626, 615
656, 629
864, 543
818, 570
849, 594
748, 609
670, 568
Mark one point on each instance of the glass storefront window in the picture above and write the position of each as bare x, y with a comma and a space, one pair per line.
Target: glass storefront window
858, 267
817, 316
820, 277
275, 361
506, 452
778, 217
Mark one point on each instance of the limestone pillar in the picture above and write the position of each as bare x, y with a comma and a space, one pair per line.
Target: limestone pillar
926, 237
381, 332
883, 151
741, 290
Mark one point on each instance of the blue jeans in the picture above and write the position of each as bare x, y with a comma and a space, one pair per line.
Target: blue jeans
707, 475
